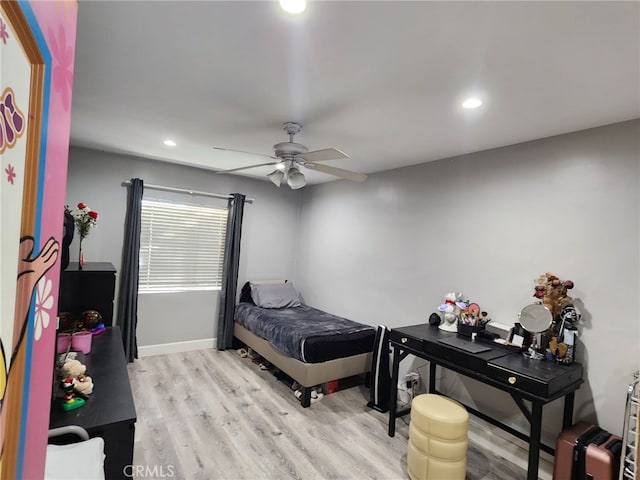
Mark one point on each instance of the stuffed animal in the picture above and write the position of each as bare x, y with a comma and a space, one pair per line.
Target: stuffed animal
83, 385
451, 311
74, 369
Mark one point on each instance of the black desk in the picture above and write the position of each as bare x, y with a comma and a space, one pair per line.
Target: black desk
109, 411
538, 382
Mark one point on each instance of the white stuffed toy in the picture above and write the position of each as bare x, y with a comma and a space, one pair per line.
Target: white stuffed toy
74, 369
451, 311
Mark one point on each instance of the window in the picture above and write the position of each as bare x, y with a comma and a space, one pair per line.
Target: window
181, 247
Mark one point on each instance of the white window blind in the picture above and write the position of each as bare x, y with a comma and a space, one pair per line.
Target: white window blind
181, 247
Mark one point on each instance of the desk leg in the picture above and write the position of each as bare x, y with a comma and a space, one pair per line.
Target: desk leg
432, 377
567, 417
393, 397
534, 441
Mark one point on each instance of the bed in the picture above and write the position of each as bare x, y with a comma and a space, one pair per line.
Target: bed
310, 346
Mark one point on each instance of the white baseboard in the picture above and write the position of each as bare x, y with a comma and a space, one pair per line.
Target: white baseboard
176, 347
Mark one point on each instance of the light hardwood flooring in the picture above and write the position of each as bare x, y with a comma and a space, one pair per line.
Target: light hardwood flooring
213, 415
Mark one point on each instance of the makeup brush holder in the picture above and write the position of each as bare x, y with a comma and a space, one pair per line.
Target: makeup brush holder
468, 330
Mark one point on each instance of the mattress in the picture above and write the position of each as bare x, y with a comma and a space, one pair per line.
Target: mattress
306, 333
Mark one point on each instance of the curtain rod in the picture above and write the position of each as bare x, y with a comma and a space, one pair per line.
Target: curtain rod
184, 190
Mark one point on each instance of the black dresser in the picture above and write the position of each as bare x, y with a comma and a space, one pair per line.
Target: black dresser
91, 288
109, 412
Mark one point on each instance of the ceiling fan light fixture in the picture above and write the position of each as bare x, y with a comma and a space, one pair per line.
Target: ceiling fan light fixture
295, 178
276, 177
290, 156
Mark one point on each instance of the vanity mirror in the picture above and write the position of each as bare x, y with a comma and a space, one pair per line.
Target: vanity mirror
535, 318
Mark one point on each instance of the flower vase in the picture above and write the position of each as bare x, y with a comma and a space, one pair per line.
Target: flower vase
80, 256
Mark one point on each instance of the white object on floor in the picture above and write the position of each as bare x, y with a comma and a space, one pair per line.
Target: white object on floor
82, 461
315, 396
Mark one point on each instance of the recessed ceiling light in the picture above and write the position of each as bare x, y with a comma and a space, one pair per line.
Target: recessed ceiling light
169, 143
293, 6
472, 103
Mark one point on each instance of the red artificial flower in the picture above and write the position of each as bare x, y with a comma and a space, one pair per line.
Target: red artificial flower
84, 218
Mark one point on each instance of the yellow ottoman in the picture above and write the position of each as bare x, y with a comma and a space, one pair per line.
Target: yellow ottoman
437, 439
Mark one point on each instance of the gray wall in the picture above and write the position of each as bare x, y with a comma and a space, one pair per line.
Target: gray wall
386, 251
268, 241
487, 224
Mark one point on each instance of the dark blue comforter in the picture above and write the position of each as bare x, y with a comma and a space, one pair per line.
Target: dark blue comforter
287, 329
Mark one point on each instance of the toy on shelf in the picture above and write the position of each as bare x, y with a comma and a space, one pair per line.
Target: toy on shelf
69, 399
74, 385
74, 369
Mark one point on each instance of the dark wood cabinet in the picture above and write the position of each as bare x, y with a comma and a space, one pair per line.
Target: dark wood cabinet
91, 288
109, 412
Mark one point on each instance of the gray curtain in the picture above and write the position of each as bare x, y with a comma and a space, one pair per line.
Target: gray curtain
230, 272
128, 291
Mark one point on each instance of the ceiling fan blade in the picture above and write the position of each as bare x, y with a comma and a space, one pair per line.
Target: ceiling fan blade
248, 153
324, 154
338, 172
247, 168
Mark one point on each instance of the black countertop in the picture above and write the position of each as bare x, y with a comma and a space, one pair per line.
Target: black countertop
91, 267
498, 365
111, 401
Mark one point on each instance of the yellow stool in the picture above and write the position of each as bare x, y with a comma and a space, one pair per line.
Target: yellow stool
437, 439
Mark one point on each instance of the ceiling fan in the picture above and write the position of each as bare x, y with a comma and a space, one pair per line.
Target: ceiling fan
290, 156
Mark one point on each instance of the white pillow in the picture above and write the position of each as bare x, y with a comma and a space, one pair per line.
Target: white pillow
281, 295
81, 460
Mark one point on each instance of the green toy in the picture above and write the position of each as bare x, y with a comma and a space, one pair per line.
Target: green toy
69, 400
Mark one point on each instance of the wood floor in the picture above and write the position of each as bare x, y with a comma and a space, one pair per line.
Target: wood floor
213, 415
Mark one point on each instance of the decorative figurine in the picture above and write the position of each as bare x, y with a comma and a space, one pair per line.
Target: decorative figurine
69, 399
451, 311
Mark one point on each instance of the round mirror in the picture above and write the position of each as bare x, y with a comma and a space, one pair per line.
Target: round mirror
535, 318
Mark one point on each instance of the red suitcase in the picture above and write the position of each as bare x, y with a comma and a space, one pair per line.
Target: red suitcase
587, 452
564, 458
602, 458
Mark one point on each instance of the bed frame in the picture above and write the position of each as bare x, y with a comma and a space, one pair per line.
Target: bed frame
306, 374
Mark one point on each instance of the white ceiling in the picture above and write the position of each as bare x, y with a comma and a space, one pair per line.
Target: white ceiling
380, 80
